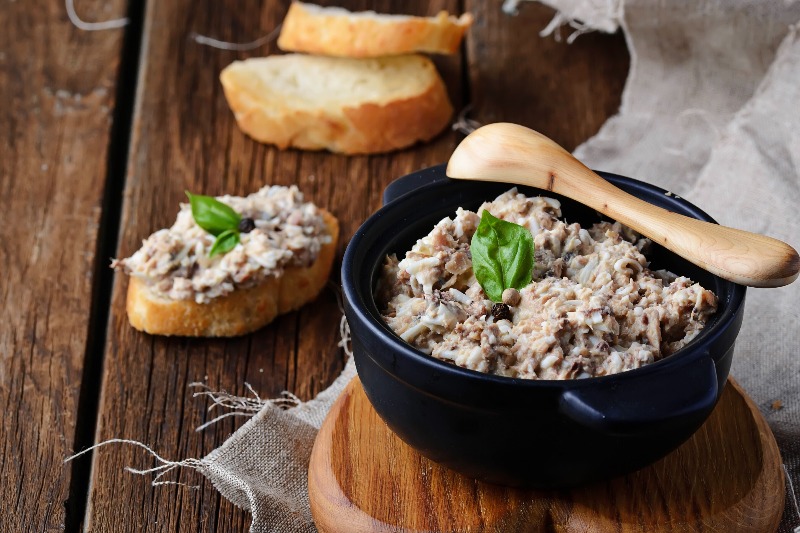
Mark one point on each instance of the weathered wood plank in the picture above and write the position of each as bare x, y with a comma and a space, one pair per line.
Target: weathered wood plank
185, 138
58, 90
566, 91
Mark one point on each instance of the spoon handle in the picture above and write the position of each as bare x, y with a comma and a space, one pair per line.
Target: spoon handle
514, 154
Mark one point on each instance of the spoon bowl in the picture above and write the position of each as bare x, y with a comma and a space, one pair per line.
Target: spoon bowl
511, 153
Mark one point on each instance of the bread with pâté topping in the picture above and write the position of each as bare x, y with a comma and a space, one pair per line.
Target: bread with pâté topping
283, 263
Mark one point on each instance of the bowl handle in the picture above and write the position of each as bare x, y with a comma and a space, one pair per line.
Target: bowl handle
410, 182
675, 395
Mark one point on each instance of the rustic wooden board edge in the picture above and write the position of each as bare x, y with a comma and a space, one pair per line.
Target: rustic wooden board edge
331, 507
772, 474
325, 495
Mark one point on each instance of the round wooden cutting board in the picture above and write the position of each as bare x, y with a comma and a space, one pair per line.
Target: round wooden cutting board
726, 478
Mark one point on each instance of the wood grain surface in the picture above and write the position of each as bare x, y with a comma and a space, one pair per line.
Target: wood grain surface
726, 477
564, 91
58, 95
185, 138
73, 372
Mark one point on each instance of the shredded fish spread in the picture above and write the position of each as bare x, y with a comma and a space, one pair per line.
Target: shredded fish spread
175, 264
593, 307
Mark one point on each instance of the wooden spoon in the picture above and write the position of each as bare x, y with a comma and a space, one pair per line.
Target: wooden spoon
514, 154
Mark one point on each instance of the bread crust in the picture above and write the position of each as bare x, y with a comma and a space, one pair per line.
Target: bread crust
338, 33
360, 129
401, 123
239, 312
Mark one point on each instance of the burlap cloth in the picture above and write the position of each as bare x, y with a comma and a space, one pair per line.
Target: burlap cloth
711, 111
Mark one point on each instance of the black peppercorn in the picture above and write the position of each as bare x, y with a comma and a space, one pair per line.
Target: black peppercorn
246, 225
501, 312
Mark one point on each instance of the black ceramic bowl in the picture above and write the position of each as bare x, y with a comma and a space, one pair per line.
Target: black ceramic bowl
542, 434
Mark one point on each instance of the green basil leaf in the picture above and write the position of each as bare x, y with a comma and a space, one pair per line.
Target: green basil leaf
212, 215
225, 242
502, 255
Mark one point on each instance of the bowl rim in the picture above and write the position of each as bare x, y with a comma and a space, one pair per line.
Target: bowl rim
697, 347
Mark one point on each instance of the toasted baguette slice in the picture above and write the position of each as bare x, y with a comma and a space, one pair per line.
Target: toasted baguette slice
239, 312
343, 105
334, 31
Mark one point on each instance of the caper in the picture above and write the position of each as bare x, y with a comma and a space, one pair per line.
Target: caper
501, 311
246, 225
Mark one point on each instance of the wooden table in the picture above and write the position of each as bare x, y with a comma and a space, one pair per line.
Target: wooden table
100, 134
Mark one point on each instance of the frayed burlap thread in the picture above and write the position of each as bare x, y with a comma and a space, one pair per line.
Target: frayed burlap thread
263, 467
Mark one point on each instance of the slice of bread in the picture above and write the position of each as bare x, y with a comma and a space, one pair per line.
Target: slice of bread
239, 312
334, 31
343, 105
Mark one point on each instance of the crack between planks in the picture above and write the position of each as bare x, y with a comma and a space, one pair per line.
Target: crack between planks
466, 89
102, 275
